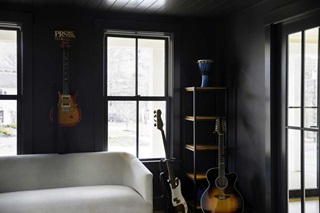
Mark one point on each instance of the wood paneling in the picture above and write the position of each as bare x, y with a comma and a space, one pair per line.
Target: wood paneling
191, 8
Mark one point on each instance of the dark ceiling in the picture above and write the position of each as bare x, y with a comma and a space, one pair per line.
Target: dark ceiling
190, 8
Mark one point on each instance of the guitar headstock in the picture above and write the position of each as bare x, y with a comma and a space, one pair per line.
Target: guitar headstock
221, 126
64, 37
158, 121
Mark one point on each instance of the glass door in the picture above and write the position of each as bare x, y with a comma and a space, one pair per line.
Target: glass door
302, 120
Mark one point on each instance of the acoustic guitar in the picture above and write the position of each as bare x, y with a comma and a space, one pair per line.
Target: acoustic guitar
68, 110
221, 196
177, 200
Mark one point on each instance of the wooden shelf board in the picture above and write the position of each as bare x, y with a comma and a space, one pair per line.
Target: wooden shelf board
201, 147
203, 118
199, 176
191, 89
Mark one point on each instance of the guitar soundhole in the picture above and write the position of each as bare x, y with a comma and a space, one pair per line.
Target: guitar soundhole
221, 182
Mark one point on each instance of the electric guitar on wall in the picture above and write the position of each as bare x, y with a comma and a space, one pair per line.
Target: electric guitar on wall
177, 200
68, 110
221, 196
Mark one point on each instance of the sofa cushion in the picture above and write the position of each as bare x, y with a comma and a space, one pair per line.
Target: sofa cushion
85, 199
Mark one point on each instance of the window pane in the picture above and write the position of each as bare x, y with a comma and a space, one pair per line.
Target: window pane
8, 62
121, 66
150, 138
151, 67
310, 163
122, 126
294, 79
8, 127
294, 160
311, 77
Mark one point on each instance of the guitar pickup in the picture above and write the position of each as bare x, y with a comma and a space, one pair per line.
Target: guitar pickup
65, 105
65, 97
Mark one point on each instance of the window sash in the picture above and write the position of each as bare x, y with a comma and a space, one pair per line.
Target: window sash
136, 97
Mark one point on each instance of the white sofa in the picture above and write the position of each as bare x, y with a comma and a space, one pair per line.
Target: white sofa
108, 182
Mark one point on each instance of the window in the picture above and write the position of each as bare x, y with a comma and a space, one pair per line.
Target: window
136, 84
9, 92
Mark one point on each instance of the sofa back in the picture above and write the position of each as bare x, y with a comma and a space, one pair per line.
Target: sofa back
45, 171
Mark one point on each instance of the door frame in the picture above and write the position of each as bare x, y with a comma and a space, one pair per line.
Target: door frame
275, 84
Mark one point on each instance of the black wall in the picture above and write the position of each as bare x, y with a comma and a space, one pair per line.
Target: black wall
196, 39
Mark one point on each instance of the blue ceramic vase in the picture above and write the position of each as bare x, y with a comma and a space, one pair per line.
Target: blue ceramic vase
205, 67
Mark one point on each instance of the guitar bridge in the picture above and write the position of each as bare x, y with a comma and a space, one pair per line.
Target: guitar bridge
65, 107
222, 197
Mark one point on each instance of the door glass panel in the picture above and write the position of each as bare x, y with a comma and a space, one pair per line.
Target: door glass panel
310, 161
8, 127
294, 170
121, 66
294, 79
294, 160
150, 138
311, 77
122, 126
151, 67
8, 62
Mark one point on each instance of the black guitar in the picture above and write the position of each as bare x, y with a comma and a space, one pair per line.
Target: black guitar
221, 196
177, 200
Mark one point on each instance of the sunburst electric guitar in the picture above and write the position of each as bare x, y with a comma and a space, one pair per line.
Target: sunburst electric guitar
177, 200
221, 196
68, 110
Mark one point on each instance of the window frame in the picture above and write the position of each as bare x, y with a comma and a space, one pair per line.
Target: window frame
23, 21
168, 38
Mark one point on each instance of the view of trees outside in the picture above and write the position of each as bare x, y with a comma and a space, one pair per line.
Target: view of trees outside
122, 76
310, 108
8, 86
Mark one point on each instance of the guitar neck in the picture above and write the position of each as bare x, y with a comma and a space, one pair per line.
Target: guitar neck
221, 162
168, 163
65, 62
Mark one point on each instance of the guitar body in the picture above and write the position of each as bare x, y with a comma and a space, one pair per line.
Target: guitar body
178, 202
224, 199
69, 112
177, 198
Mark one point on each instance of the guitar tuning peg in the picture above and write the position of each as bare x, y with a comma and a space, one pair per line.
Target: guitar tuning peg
154, 124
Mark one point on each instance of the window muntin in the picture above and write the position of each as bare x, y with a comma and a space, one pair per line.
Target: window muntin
136, 75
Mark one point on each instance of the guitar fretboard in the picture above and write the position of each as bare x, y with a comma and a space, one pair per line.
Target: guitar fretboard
65, 61
221, 160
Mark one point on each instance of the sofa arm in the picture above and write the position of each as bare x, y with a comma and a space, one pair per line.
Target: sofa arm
138, 177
